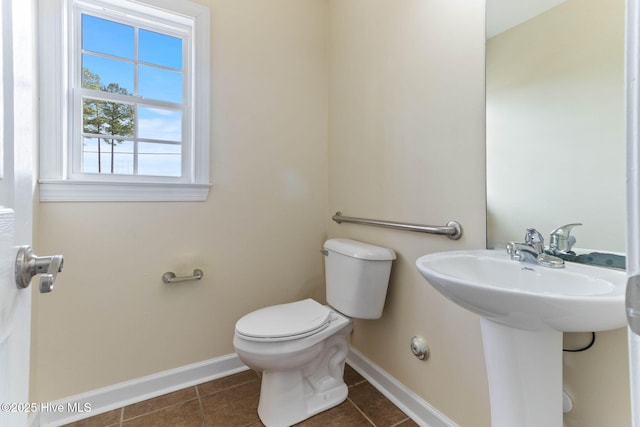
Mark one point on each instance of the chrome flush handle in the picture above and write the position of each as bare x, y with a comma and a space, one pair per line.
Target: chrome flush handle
28, 265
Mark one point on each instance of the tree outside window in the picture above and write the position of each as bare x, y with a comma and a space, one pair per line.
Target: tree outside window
106, 119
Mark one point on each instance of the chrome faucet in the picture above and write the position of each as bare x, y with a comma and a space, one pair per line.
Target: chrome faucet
528, 251
532, 250
534, 239
561, 240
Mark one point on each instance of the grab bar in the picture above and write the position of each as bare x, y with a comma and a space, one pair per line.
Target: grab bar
170, 277
452, 230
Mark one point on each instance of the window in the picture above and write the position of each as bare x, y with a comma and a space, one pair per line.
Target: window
125, 111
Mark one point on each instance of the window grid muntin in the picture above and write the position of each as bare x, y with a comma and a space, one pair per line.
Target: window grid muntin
185, 108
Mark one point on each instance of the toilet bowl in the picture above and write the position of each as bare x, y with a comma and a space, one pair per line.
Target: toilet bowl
301, 347
300, 376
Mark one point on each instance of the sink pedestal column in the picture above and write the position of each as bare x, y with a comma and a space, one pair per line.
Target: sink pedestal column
524, 369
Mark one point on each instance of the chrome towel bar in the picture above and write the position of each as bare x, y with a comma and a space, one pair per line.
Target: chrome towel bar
452, 230
170, 277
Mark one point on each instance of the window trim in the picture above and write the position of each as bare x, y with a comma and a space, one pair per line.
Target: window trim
57, 180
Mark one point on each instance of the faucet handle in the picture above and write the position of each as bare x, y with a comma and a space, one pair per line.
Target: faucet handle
533, 238
561, 238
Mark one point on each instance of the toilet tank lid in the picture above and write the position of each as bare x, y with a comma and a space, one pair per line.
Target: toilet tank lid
359, 250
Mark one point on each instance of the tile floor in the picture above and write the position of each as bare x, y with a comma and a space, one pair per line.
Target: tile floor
233, 401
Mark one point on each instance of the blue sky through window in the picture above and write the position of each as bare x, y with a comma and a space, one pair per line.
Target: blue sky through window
109, 52
108, 37
160, 49
110, 70
157, 83
157, 123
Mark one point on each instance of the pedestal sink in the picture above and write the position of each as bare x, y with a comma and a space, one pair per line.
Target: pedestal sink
525, 308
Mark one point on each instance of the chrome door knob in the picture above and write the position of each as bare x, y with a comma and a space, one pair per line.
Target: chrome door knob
28, 265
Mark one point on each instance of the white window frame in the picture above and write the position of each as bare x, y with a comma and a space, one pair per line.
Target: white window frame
61, 122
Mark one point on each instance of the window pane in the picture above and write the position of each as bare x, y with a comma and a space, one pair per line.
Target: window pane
109, 75
107, 117
107, 37
156, 123
163, 85
97, 155
160, 49
159, 159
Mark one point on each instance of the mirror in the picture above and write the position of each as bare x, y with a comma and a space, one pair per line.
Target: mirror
555, 120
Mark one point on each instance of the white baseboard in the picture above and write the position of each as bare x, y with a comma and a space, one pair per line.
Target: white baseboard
126, 393
410, 403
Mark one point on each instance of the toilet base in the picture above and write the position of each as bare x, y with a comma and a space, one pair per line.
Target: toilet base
289, 397
283, 409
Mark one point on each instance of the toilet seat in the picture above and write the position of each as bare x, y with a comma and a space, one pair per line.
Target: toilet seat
284, 322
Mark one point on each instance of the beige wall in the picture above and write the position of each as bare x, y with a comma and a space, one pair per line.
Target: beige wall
407, 144
556, 154
257, 238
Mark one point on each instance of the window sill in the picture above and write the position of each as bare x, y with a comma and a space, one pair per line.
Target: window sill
87, 191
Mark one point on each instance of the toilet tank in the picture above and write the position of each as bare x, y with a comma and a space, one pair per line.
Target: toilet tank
357, 276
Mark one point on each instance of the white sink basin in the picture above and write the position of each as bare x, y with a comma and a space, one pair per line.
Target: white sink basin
525, 308
577, 298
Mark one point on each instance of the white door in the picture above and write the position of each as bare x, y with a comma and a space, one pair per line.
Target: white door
632, 77
18, 135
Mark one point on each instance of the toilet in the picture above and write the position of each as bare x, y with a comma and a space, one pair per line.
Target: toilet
301, 347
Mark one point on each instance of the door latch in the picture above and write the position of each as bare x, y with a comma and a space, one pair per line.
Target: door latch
28, 265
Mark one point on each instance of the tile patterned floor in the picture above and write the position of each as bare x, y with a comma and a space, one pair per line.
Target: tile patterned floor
233, 402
